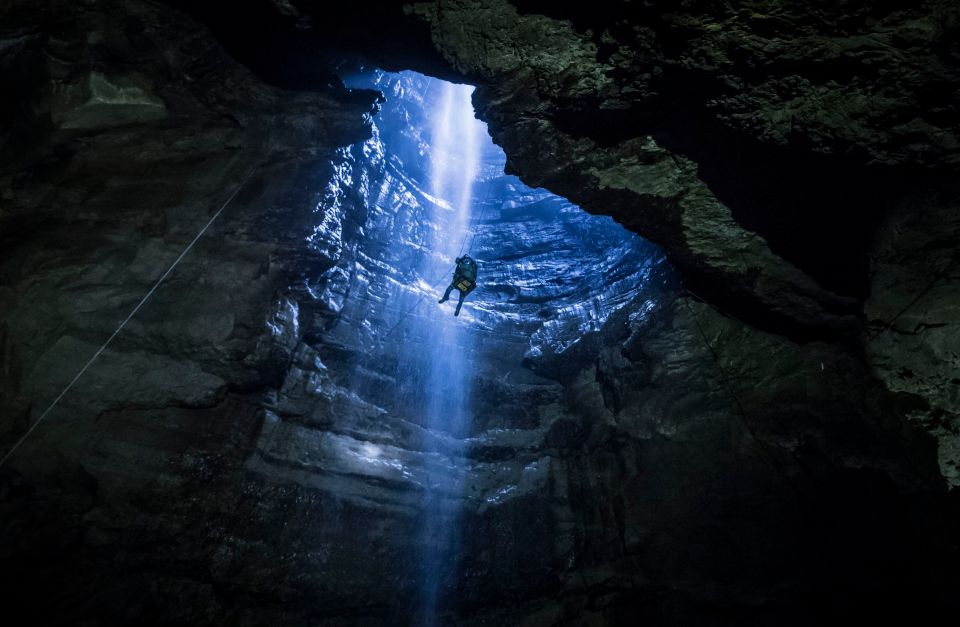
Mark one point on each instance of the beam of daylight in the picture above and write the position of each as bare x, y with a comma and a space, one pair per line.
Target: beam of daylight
455, 141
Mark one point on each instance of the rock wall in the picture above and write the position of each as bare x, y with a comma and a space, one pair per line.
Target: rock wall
246, 452
776, 152
143, 129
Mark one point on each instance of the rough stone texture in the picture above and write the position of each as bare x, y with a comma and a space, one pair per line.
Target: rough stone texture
914, 342
646, 106
91, 217
246, 452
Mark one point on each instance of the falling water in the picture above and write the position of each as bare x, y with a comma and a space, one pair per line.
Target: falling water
443, 184
455, 156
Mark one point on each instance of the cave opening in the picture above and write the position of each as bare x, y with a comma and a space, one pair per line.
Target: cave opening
454, 396
434, 188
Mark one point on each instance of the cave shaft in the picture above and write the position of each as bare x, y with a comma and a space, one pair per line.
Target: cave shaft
455, 158
750, 417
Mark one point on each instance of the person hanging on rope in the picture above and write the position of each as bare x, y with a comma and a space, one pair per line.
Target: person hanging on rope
464, 280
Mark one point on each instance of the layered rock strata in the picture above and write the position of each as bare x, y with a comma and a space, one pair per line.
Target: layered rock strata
245, 451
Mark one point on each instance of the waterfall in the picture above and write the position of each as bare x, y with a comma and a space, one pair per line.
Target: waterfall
548, 274
455, 143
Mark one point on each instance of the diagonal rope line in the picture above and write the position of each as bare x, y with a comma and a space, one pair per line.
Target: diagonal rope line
470, 231
435, 284
886, 326
130, 315
745, 420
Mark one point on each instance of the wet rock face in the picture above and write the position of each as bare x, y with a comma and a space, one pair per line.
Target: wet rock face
251, 448
718, 132
101, 197
727, 137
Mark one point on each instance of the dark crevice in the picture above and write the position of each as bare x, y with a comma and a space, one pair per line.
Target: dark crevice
817, 211
312, 49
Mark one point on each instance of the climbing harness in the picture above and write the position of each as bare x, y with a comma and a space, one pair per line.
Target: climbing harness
465, 284
132, 313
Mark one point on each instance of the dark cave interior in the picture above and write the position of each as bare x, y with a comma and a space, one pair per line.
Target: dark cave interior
710, 374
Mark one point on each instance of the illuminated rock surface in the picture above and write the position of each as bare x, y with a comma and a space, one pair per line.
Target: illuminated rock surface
253, 448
